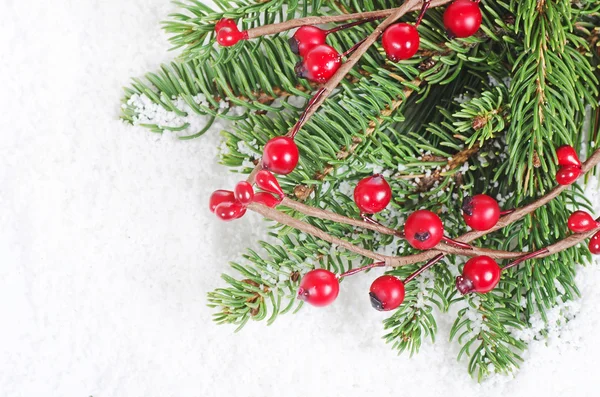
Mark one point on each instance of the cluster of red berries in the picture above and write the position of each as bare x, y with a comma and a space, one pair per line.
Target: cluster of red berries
319, 60
569, 165
229, 205
581, 222
228, 33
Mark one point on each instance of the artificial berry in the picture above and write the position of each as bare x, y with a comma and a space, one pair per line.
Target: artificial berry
219, 197
280, 155
319, 64
244, 192
386, 293
319, 287
400, 41
594, 244
566, 156
228, 36
581, 221
228, 211
423, 229
372, 194
306, 38
266, 181
463, 18
267, 199
480, 274
225, 23
568, 174
481, 212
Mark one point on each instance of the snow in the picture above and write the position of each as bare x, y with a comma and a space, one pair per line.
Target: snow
107, 249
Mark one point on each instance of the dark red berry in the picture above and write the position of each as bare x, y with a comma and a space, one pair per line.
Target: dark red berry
567, 175
280, 155
566, 155
372, 194
387, 293
594, 244
267, 199
481, 212
463, 18
225, 23
581, 221
244, 192
227, 36
400, 41
220, 196
423, 229
229, 211
306, 38
319, 287
266, 181
480, 274
319, 64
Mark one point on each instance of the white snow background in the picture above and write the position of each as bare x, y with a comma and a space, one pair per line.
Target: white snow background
107, 248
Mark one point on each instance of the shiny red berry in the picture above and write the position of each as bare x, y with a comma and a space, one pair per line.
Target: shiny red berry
463, 18
244, 192
229, 211
280, 155
225, 23
480, 274
306, 38
319, 287
566, 155
423, 229
220, 196
386, 293
228, 36
267, 199
594, 244
481, 212
266, 181
400, 41
567, 175
372, 194
581, 221
319, 64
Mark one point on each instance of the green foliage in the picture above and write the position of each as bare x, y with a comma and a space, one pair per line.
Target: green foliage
477, 115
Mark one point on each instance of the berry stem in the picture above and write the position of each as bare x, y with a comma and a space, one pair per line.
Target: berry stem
372, 221
424, 8
302, 118
352, 24
456, 243
525, 257
426, 266
506, 212
317, 20
352, 49
360, 269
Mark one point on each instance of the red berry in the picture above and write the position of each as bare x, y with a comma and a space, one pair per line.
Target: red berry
266, 181
244, 192
481, 212
423, 229
372, 194
319, 287
480, 274
227, 36
463, 18
225, 23
267, 199
229, 211
280, 155
567, 175
220, 196
400, 41
319, 64
306, 38
567, 156
594, 244
387, 293
581, 221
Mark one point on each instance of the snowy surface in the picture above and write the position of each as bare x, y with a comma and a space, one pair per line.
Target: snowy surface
107, 249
